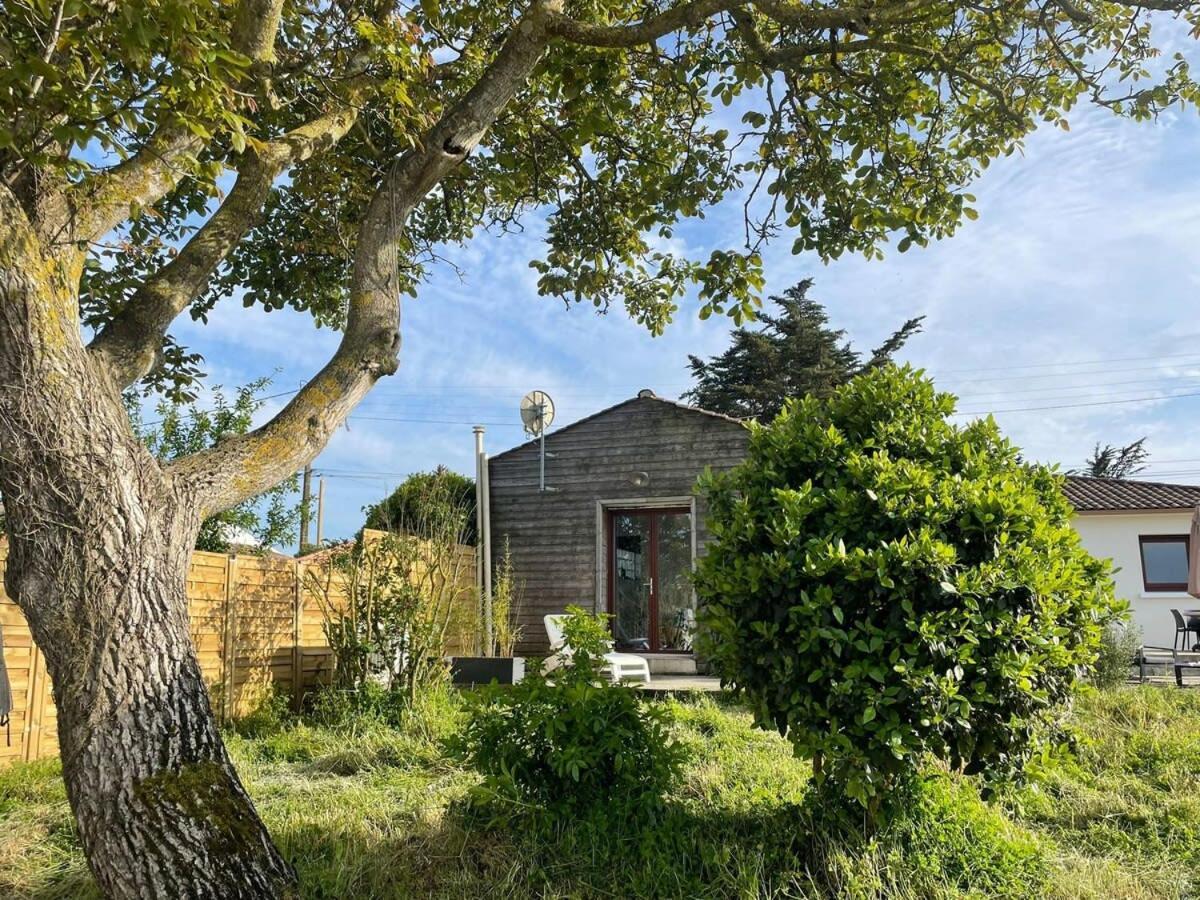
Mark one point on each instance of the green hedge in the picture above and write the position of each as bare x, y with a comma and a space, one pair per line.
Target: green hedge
883, 583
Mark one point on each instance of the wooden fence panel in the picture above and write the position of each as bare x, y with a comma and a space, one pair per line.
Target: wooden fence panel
19, 658
44, 734
264, 595
207, 607
315, 657
254, 624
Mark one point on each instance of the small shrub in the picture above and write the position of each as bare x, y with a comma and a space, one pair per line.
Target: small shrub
388, 607
272, 714
1118, 649
884, 584
342, 708
491, 626
571, 741
588, 638
507, 596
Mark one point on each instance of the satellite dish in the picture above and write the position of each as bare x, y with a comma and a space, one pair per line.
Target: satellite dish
537, 412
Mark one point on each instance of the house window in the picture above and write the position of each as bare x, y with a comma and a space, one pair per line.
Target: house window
1164, 561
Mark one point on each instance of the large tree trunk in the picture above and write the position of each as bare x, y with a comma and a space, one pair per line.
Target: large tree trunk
100, 537
161, 811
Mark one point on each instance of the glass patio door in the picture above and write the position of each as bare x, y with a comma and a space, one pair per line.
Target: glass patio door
650, 589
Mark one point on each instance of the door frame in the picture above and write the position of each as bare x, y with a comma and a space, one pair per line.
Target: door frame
600, 599
606, 551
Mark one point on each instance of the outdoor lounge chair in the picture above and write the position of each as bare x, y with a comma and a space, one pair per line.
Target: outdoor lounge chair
1180, 660
619, 665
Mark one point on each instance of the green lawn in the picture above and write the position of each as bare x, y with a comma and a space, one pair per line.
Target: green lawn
374, 811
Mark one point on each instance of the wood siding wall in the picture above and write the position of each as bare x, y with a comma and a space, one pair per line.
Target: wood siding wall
256, 625
552, 536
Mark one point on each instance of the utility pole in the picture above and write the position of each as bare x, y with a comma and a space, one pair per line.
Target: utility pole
320, 509
305, 497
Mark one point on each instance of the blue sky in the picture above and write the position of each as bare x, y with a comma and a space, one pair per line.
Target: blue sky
1077, 285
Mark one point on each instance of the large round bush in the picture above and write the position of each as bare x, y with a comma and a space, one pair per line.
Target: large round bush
883, 583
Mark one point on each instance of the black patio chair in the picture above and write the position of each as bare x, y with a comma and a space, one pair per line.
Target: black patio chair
1184, 628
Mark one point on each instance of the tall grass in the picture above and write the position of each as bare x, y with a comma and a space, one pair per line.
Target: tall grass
1124, 808
369, 806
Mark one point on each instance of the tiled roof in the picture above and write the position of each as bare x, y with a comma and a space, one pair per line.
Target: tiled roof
1089, 494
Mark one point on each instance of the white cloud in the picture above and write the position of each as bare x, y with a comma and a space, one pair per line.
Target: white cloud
1085, 250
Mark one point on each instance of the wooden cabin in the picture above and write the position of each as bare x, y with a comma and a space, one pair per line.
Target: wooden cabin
618, 527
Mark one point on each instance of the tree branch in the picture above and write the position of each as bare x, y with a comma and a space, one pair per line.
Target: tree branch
95, 206
129, 346
255, 27
763, 52
244, 466
789, 58
856, 19
691, 14
695, 12
51, 45
1177, 6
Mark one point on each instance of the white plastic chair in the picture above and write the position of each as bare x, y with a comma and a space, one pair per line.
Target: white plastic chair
619, 665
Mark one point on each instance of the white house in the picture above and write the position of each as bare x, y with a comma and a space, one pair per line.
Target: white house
1142, 526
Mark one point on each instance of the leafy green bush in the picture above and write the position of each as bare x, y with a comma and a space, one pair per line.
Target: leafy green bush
273, 713
341, 708
388, 605
570, 740
425, 503
589, 638
1119, 646
434, 713
882, 584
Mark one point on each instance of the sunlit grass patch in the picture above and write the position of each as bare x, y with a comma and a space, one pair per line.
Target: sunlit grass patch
368, 809
39, 848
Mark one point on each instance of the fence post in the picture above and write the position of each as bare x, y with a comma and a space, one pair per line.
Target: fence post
297, 633
35, 705
229, 645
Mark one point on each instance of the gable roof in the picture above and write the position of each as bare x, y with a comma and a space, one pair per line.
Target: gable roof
643, 394
1088, 494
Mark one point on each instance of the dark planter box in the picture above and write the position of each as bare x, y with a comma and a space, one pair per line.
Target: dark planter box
486, 669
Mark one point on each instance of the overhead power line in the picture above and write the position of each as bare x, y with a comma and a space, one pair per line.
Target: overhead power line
1079, 362
1070, 399
435, 421
1160, 383
1152, 476
1079, 405
378, 402
1080, 374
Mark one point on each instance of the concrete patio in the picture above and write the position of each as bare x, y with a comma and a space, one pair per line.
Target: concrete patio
671, 684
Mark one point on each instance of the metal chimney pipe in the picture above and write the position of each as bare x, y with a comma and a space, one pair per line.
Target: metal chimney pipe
489, 626
483, 530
